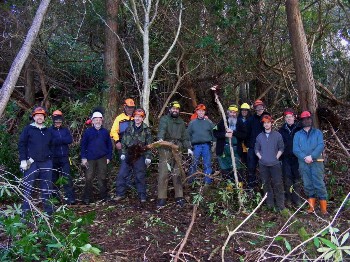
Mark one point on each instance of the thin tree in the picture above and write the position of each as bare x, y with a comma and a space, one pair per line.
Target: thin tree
301, 59
17, 65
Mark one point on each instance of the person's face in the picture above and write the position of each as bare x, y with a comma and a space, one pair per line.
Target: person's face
267, 126
58, 123
232, 113
138, 120
129, 110
97, 122
244, 112
259, 110
200, 113
289, 119
39, 119
174, 111
306, 122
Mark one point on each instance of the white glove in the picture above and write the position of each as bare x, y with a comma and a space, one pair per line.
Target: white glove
190, 152
148, 161
84, 162
24, 165
122, 157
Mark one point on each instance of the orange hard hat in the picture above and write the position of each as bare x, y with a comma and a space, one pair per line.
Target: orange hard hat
39, 110
57, 113
200, 107
139, 112
305, 114
258, 102
129, 102
267, 118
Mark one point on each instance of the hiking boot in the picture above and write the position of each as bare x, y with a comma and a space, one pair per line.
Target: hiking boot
161, 203
180, 201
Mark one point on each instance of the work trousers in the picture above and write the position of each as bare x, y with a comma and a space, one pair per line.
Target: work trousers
41, 171
96, 168
61, 168
291, 179
252, 162
204, 151
271, 177
167, 164
313, 179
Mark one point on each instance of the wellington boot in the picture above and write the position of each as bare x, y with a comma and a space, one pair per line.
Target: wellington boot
312, 202
323, 206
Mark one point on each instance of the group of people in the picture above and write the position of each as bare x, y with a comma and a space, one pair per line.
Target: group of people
283, 157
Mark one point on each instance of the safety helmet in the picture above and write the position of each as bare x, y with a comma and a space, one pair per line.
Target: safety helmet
97, 114
200, 107
129, 102
175, 104
245, 106
266, 118
233, 108
258, 102
139, 112
305, 114
39, 110
289, 111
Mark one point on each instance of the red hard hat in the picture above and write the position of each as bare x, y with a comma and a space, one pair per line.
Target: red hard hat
305, 114
39, 110
266, 118
200, 107
258, 102
139, 112
129, 102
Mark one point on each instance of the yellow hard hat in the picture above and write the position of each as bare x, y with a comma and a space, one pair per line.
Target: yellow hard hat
233, 108
245, 106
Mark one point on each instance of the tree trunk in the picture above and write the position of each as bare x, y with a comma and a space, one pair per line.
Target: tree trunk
111, 60
301, 59
22, 55
42, 77
146, 90
29, 88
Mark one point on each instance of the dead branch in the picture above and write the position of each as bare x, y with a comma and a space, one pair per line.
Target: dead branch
339, 142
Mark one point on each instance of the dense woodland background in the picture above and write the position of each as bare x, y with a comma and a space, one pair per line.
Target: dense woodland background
91, 53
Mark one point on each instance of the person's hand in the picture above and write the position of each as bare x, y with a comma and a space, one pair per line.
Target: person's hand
122, 157
228, 134
118, 145
190, 152
308, 159
23, 165
85, 163
148, 161
108, 161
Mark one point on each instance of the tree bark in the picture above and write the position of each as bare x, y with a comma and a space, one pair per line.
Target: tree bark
111, 62
29, 88
301, 59
17, 65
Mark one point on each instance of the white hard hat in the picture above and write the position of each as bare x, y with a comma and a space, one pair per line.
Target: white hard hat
96, 114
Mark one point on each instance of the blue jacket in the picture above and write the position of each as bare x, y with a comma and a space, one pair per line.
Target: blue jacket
254, 128
308, 143
35, 143
288, 133
96, 144
61, 138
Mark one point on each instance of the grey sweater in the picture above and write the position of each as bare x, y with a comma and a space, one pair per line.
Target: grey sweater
200, 131
268, 146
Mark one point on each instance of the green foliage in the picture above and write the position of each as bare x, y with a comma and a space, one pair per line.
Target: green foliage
64, 239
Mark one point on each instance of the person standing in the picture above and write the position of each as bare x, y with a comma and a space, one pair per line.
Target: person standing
61, 139
290, 166
172, 129
268, 148
241, 145
236, 131
308, 146
136, 137
35, 153
96, 153
254, 128
200, 131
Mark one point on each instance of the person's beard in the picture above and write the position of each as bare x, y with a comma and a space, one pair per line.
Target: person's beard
232, 121
174, 114
306, 123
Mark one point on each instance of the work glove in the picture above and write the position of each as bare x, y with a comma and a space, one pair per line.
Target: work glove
148, 161
122, 157
108, 161
84, 162
190, 152
23, 165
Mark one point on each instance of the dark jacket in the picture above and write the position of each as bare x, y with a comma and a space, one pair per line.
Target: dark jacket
220, 131
254, 128
200, 131
96, 144
288, 133
308, 143
61, 138
268, 147
173, 130
35, 143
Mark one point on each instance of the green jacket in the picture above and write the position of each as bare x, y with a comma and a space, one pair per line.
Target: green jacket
174, 130
133, 136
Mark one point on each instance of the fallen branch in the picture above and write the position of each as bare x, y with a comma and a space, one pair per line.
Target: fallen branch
339, 142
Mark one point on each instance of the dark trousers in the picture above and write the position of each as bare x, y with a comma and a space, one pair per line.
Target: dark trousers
291, 179
252, 162
97, 168
61, 168
271, 177
41, 171
123, 178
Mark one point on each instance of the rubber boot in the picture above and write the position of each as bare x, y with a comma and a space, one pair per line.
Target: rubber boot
323, 206
312, 202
